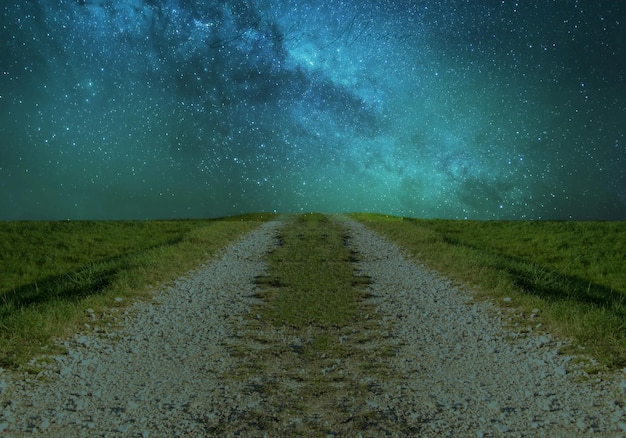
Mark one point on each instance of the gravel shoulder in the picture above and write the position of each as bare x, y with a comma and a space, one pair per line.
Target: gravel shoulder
187, 365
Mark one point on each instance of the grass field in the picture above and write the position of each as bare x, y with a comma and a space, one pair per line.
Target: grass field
52, 272
574, 272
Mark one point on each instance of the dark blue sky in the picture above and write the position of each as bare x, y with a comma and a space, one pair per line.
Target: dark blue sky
453, 109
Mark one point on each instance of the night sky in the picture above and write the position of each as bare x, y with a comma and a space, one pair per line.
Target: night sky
134, 109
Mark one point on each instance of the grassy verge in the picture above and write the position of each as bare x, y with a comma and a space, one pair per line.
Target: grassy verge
572, 271
52, 272
311, 348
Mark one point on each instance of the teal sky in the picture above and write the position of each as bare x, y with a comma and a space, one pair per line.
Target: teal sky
134, 109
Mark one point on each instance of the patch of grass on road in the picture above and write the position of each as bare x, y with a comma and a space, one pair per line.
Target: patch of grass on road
574, 272
51, 272
312, 276
311, 350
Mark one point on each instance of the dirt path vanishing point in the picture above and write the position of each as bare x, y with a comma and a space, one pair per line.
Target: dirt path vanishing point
421, 360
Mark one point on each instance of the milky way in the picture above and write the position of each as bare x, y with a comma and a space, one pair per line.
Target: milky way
114, 109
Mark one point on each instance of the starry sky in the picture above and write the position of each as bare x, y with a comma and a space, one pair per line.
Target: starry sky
140, 109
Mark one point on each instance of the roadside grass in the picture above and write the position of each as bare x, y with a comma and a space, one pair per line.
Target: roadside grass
573, 272
53, 272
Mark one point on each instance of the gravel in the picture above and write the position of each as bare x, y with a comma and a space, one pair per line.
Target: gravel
161, 374
462, 371
465, 372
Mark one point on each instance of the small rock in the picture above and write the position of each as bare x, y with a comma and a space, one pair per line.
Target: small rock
502, 428
544, 404
45, 423
542, 340
493, 405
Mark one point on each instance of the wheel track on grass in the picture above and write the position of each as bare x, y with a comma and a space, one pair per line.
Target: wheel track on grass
308, 389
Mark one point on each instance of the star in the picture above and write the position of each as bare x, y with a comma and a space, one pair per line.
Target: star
138, 109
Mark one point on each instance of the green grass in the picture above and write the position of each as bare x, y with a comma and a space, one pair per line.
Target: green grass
308, 345
53, 271
574, 272
312, 275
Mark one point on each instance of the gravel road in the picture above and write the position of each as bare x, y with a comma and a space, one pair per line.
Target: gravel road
466, 374
168, 371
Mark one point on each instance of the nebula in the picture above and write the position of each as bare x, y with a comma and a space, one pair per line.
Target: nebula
138, 109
